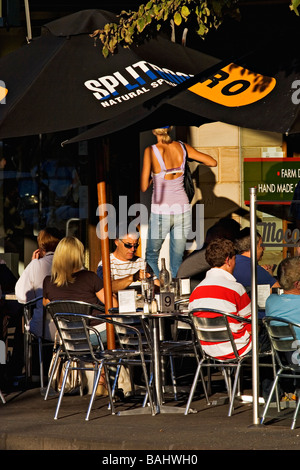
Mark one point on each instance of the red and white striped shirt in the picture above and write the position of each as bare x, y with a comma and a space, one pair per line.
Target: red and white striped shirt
220, 290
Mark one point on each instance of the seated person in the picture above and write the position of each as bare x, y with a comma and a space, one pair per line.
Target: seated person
30, 284
195, 265
287, 305
69, 280
220, 290
242, 270
125, 266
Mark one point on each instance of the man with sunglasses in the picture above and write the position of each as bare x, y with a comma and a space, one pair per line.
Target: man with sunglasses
125, 266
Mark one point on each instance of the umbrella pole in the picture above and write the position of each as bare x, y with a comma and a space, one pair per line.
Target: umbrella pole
28, 22
104, 241
254, 313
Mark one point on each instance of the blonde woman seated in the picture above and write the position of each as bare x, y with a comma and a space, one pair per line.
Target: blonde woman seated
69, 279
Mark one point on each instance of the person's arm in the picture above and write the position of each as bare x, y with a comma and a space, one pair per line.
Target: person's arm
24, 288
146, 180
265, 276
200, 156
101, 297
120, 284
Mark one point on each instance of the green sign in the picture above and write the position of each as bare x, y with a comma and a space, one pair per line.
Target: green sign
274, 178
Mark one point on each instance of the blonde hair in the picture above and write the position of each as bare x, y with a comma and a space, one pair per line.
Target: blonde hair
68, 258
164, 132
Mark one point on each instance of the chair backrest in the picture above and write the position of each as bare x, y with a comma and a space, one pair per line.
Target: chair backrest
127, 337
283, 338
73, 306
29, 307
215, 328
72, 319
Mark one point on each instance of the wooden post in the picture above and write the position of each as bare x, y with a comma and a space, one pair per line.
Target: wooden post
104, 242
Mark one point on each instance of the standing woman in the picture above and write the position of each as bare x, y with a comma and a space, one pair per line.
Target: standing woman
170, 209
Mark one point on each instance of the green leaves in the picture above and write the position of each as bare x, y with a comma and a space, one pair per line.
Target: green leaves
185, 11
294, 6
177, 18
134, 26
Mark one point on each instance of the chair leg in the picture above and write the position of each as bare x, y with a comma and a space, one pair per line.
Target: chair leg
209, 381
227, 379
95, 385
204, 387
193, 389
41, 362
153, 411
296, 413
270, 397
51, 375
2, 397
62, 389
109, 389
233, 392
27, 354
146, 394
173, 377
277, 391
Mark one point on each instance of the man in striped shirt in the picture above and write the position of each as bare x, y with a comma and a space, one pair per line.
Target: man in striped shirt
220, 290
125, 266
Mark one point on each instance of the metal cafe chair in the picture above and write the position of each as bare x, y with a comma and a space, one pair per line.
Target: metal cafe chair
127, 339
217, 329
180, 349
170, 349
65, 307
30, 338
74, 331
285, 352
80, 354
2, 361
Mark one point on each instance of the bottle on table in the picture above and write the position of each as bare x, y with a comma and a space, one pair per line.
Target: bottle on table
147, 306
164, 277
154, 307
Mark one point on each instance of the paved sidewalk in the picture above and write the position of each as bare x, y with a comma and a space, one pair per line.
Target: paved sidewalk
26, 423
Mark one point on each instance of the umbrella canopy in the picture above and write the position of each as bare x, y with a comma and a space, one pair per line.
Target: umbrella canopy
258, 91
61, 81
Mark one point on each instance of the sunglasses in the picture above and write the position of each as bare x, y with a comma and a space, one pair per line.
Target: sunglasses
130, 245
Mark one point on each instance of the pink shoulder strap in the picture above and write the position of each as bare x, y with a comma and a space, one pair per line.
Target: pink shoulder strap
159, 158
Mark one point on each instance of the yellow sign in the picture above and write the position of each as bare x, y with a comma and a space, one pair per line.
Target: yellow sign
234, 86
3, 92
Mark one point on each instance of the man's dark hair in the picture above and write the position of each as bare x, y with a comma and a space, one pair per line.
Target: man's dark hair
243, 241
224, 228
218, 251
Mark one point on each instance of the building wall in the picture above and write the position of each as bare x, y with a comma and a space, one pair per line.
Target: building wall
221, 189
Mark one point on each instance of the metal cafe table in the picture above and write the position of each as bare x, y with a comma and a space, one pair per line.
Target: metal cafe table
153, 323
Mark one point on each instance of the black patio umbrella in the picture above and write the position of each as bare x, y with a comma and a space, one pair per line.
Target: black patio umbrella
258, 91
60, 81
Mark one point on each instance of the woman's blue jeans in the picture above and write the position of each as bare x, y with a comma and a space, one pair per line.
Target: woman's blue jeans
160, 225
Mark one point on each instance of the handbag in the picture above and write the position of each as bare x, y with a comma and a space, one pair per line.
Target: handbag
75, 379
188, 180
